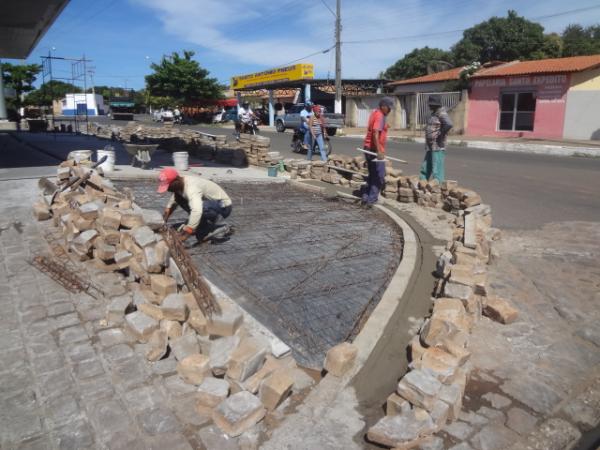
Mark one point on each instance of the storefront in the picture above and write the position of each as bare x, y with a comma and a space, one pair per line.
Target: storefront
532, 99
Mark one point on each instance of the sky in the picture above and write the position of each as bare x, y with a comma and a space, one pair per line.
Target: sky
232, 37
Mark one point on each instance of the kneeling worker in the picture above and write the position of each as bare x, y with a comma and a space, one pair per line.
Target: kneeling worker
206, 202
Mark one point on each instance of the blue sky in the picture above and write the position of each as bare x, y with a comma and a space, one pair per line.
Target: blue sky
232, 37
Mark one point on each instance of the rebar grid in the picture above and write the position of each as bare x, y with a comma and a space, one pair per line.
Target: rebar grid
308, 268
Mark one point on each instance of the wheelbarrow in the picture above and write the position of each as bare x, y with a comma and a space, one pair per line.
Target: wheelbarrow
141, 153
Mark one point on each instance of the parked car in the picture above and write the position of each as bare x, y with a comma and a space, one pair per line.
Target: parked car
162, 115
291, 119
230, 114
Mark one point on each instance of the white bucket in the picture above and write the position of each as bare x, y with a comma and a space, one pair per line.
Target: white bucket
109, 164
181, 160
80, 156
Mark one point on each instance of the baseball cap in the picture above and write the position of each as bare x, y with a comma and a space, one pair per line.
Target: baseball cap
387, 101
165, 178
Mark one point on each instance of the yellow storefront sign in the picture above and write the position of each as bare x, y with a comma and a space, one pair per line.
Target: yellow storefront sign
280, 74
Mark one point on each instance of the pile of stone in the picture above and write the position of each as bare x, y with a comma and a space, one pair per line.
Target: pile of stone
239, 375
430, 395
258, 150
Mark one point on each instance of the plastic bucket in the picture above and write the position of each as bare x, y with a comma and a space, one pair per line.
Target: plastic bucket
109, 164
272, 171
81, 156
181, 160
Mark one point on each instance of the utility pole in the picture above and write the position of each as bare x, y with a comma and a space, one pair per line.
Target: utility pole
338, 58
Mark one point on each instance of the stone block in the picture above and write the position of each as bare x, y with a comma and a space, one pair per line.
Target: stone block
440, 413
162, 253
85, 240
185, 346
500, 310
174, 272
41, 211
452, 395
141, 325
131, 219
340, 359
151, 310
402, 431
226, 323
457, 290
152, 218
211, 392
396, 405
151, 261
416, 349
470, 231
174, 307
110, 218
439, 363
220, 353
520, 421
453, 311
89, 210
238, 413
198, 321
172, 328
420, 388
104, 251
253, 383
275, 388
494, 436
115, 311
163, 285
122, 258
193, 368
246, 359
109, 235
158, 344
143, 236
435, 330
456, 349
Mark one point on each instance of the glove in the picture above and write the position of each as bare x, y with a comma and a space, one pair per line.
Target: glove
380, 155
167, 213
188, 230
185, 233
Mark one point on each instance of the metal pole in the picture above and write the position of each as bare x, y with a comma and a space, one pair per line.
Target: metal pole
380, 160
3, 115
338, 58
271, 109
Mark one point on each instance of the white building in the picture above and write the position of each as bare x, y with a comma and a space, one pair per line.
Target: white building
77, 104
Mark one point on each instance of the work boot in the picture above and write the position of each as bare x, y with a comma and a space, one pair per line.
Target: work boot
219, 233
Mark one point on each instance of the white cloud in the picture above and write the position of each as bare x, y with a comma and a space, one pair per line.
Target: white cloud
261, 34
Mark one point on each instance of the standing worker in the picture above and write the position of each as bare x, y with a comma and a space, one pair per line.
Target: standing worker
438, 126
316, 126
375, 142
206, 202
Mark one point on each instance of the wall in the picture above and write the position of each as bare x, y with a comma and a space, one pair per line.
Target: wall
458, 114
438, 86
551, 95
395, 119
583, 106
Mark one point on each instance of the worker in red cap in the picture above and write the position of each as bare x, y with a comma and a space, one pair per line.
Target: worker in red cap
205, 201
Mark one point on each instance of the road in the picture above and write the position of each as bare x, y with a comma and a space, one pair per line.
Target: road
525, 191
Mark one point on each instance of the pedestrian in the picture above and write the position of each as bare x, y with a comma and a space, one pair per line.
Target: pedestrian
207, 204
438, 126
316, 125
305, 116
375, 142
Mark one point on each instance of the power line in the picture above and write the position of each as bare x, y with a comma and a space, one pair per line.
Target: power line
308, 56
328, 7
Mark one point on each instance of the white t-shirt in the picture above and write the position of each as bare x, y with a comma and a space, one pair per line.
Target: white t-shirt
245, 114
304, 116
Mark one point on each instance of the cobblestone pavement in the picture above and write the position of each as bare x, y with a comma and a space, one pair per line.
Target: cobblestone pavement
67, 381
297, 261
547, 363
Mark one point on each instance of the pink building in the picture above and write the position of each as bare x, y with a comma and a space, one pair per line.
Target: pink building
536, 99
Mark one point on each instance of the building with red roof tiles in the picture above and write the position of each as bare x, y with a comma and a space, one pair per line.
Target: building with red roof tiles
548, 99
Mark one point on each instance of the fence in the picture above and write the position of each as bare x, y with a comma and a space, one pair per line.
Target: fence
448, 99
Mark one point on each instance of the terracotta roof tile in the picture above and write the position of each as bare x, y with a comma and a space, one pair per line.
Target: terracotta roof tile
555, 65
446, 75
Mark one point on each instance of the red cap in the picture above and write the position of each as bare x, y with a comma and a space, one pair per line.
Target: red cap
165, 178
316, 108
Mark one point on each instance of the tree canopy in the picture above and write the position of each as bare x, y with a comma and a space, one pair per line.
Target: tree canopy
20, 77
52, 90
182, 79
499, 39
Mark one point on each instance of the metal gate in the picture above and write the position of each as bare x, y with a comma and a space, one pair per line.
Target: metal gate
364, 108
448, 99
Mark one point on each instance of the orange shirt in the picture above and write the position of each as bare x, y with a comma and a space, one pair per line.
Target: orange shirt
376, 123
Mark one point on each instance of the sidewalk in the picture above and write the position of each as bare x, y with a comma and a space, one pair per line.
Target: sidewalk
547, 147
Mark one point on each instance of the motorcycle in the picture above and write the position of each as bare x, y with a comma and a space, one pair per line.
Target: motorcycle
251, 128
298, 141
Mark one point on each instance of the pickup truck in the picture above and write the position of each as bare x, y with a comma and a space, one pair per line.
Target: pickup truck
291, 119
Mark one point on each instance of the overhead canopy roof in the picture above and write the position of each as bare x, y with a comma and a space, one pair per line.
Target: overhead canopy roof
23, 23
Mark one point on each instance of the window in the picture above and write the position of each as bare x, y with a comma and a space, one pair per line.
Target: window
517, 111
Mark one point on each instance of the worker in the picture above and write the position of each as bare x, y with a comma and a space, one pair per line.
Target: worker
436, 130
375, 142
207, 204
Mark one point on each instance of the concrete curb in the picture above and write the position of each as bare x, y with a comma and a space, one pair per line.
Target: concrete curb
517, 147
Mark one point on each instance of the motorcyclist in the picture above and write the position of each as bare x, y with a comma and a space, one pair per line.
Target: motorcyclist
176, 115
245, 116
305, 115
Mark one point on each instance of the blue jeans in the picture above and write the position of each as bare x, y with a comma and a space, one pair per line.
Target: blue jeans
212, 213
304, 127
375, 180
321, 144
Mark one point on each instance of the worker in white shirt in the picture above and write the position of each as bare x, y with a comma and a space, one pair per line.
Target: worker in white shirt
206, 202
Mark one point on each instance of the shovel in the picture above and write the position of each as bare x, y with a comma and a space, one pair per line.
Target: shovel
51, 189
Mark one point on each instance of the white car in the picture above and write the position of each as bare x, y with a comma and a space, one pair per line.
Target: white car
163, 115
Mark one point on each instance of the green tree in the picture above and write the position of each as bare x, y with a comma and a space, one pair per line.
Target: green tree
579, 41
20, 77
420, 61
182, 78
52, 90
500, 39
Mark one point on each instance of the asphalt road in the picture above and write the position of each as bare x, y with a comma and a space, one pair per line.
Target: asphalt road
524, 190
